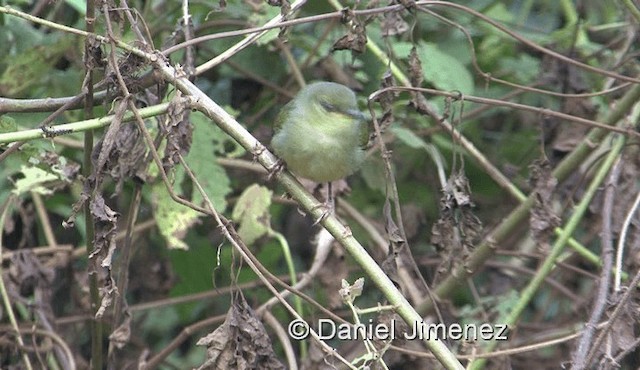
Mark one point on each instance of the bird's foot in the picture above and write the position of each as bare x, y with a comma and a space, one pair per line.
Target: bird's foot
275, 169
327, 210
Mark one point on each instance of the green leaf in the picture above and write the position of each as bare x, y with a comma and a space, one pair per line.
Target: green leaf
372, 172
408, 137
252, 212
524, 68
34, 180
443, 70
79, 5
32, 68
173, 220
209, 141
8, 124
261, 17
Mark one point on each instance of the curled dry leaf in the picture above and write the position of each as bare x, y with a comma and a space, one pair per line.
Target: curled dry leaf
27, 274
241, 342
356, 38
393, 24
179, 131
120, 336
542, 219
457, 230
386, 100
349, 292
105, 222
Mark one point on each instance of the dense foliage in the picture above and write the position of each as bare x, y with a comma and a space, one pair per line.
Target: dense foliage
146, 225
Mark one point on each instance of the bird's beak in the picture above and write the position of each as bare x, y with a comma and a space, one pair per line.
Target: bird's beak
355, 113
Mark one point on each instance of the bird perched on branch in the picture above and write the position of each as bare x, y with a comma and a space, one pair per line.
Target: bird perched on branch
321, 134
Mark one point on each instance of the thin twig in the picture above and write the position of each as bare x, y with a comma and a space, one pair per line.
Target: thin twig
600, 301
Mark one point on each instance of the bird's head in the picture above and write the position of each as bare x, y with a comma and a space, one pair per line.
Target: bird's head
333, 99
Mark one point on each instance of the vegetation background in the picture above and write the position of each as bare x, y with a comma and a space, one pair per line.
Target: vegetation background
140, 228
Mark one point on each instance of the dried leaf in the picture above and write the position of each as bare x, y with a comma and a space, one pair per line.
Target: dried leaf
356, 38
27, 274
120, 152
457, 230
393, 24
349, 292
179, 131
105, 222
542, 220
393, 231
120, 336
241, 342
415, 68
386, 100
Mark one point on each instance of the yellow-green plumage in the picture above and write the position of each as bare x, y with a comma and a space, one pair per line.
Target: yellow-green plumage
321, 134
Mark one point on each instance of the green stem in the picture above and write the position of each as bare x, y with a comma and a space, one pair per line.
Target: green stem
297, 301
529, 292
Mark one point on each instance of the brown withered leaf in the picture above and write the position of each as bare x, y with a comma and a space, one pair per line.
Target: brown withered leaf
393, 231
396, 242
623, 329
108, 293
93, 56
542, 219
179, 131
356, 37
416, 77
105, 224
66, 168
120, 152
386, 100
393, 24
241, 342
120, 336
390, 268
27, 274
415, 68
458, 229
130, 67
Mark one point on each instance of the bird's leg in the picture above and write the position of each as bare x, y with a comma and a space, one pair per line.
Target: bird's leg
328, 206
330, 200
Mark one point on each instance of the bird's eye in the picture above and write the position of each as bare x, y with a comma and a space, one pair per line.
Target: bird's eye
328, 106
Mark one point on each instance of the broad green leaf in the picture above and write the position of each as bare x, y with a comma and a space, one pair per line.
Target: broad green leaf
31, 67
524, 68
408, 137
208, 143
78, 5
34, 180
372, 172
252, 212
173, 220
402, 48
444, 71
7, 124
261, 17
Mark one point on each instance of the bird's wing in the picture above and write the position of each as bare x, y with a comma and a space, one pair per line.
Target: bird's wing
365, 133
283, 116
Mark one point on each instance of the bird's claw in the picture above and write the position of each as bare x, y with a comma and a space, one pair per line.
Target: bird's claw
275, 169
327, 210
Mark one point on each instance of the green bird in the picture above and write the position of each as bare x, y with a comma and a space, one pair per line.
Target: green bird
320, 134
